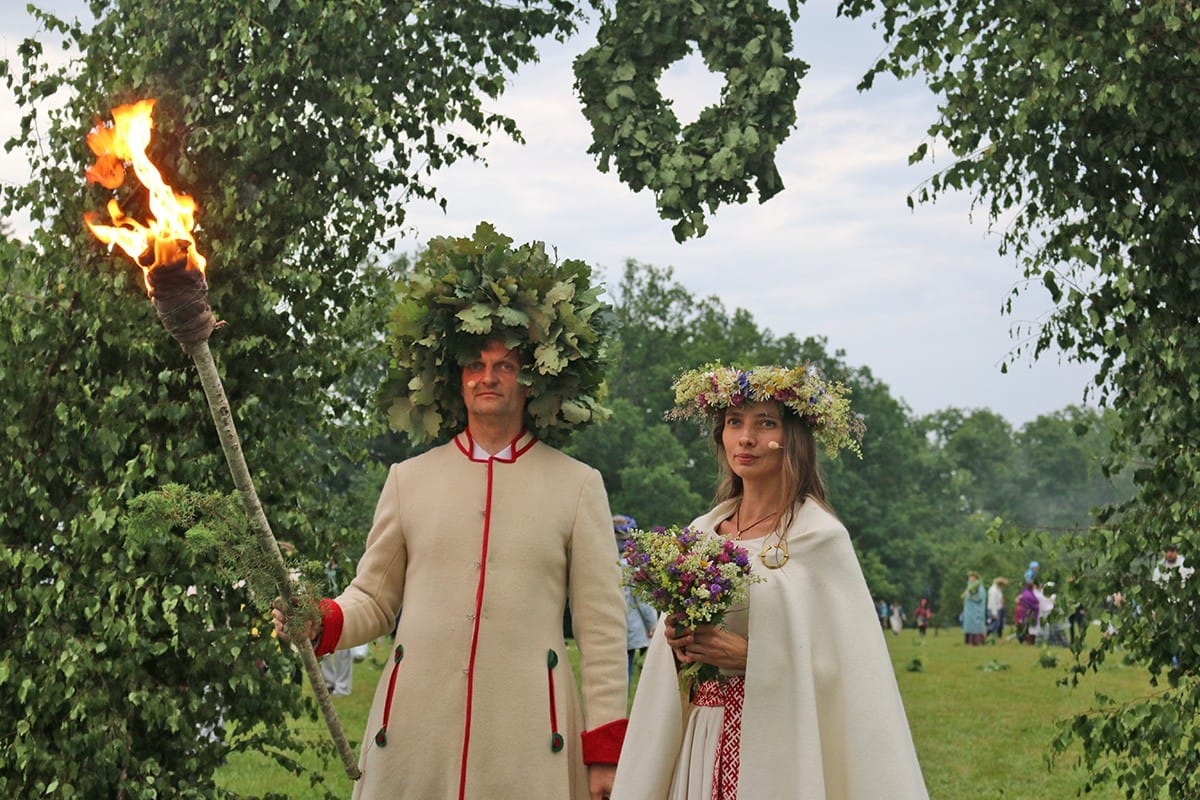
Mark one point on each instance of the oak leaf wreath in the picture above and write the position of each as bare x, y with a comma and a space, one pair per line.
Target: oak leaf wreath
464, 291
710, 161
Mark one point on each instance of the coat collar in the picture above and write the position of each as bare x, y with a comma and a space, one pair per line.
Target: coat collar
512, 451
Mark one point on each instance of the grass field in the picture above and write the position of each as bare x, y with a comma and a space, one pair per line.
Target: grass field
982, 719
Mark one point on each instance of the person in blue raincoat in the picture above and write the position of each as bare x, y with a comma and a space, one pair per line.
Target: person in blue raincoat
974, 613
640, 616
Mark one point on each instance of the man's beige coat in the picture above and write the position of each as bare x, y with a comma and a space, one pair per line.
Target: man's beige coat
478, 558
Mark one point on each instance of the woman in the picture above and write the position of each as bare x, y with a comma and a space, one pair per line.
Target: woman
807, 705
898, 618
1027, 614
974, 611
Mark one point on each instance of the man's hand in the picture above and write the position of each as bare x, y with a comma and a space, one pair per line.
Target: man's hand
312, 629
600, 780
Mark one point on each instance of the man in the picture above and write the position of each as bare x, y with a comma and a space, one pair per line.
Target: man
995, 607
478, 544
1170, 568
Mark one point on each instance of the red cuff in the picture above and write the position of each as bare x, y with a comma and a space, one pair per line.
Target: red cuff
603, 745
331, 627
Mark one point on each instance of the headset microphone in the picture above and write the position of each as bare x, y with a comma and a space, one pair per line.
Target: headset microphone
772, 445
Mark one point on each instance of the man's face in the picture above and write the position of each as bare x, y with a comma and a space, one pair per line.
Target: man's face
490, 387
1171, 555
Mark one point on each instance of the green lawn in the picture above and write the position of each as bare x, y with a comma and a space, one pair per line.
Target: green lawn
982, 719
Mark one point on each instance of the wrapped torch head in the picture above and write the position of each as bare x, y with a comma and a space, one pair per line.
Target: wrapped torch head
180, 297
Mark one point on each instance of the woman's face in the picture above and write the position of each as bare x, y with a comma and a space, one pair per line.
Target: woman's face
747, 437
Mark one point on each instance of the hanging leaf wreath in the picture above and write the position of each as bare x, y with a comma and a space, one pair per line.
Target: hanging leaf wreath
711, 160
463, 292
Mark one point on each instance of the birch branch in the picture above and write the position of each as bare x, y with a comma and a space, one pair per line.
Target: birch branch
222, 417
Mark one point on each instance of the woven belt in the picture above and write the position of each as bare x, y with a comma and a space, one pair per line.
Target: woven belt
727, 693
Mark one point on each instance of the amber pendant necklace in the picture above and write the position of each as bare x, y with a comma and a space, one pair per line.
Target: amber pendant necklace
737, 523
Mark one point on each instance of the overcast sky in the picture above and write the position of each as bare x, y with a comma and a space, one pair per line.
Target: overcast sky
915, 296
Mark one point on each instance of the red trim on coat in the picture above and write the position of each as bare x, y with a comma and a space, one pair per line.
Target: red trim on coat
466, 445
555, 738
397, 657
483, 560
603, 745
517, 452
332, 621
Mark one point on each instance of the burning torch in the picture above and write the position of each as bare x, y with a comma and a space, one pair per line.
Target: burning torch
174, 272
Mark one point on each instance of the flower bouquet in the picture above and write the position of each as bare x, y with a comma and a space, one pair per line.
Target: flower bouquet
689, 574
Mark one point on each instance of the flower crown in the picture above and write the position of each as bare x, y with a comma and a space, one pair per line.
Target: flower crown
822, 405
463, 292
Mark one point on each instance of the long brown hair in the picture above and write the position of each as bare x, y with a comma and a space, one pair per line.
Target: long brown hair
800, 472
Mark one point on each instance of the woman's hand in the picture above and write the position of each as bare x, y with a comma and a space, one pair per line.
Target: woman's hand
678, 638
707, 644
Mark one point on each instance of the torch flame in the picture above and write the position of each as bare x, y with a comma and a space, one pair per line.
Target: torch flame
166, 236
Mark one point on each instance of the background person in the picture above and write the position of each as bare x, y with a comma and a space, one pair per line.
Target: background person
974, 610
995, 607
337, 667
1026, 618
640, 616
1050, 627
898, 618
1170, 568
807, 705
923, 615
